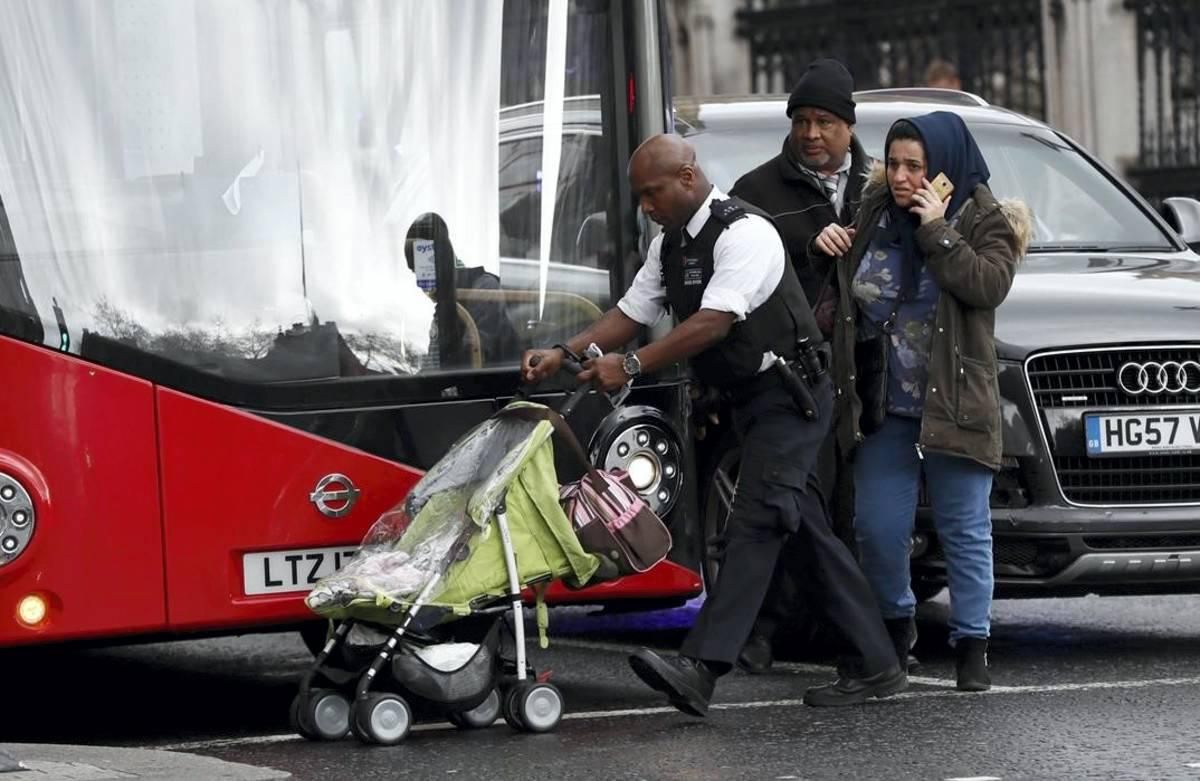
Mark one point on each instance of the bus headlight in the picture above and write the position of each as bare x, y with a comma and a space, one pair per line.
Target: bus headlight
640, 441
32, 610
17, 518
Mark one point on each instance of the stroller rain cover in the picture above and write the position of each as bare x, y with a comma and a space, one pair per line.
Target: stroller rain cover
441, 540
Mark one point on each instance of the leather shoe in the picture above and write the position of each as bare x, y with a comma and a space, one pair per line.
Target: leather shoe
855, 691
756, 657
687, 682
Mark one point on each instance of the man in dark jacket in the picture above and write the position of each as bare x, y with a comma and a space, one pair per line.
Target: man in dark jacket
816, 180
818, 177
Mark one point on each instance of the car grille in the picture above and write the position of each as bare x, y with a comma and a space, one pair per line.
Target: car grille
1015, 556
1143, 542
1088, 380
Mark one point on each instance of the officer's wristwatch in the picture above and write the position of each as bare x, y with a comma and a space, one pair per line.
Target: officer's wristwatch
631, 364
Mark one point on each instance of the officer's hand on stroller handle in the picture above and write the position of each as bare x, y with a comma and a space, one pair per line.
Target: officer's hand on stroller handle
540, 365
605, 372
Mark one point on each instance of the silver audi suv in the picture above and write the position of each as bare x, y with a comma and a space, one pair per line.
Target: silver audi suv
1099, 348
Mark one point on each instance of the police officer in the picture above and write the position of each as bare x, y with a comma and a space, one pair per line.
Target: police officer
747, 329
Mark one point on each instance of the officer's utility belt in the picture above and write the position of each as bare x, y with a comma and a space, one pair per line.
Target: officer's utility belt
798, 377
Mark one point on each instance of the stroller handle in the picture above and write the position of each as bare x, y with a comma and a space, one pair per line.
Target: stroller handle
571, 363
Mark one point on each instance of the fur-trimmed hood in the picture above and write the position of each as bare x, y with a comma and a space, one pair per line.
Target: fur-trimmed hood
1015, 211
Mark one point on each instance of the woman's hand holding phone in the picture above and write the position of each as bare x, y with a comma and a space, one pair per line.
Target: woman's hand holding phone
928, 203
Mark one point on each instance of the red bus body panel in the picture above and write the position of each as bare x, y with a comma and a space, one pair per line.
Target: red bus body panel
148, 498
81, 439
234, 483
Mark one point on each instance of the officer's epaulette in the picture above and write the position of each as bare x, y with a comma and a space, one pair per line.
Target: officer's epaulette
728, 211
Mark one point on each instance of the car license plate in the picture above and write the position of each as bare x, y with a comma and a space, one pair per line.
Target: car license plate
283, 571
1177, 431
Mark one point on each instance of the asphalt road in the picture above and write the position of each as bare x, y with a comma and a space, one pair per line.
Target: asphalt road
1086, 688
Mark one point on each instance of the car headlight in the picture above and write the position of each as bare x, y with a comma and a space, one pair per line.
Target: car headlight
17, 518
640, 441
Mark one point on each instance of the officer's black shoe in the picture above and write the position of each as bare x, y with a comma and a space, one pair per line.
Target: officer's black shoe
903, 632
756, 657
972, 664
687, 682
855, 691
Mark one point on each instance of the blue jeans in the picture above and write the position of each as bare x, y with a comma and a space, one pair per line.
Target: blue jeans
887, 473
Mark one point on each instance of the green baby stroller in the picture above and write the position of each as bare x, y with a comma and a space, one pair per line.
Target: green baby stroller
484, 523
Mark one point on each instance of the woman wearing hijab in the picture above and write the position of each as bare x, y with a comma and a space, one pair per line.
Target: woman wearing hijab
919, 281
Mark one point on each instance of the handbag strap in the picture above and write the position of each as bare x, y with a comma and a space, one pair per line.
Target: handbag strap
565, 433
889, 325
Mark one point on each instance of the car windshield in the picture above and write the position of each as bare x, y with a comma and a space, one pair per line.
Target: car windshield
1074, 205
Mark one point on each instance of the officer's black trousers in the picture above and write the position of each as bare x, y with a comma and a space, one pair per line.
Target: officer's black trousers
774, 497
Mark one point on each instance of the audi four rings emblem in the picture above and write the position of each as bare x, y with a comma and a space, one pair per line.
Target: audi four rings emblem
1157, 378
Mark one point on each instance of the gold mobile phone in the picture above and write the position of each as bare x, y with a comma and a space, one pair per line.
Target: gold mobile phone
942, 185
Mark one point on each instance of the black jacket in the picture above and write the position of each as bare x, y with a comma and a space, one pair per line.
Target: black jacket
801, 210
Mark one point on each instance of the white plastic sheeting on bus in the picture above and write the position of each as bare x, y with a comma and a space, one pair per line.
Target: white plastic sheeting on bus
211, 173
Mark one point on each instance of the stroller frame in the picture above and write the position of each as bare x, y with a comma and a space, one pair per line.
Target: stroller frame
385, 718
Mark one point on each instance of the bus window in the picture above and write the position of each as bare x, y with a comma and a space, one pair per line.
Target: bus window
238, 185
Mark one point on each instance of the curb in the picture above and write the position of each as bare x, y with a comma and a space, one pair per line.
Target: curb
56, 762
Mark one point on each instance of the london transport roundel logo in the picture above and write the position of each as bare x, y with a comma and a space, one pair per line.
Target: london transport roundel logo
334, 496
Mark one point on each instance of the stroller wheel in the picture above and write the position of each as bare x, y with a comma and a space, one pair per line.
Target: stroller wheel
510, 710
381, 718
533, 707
321, 715
540, 706
482, 715
294, 719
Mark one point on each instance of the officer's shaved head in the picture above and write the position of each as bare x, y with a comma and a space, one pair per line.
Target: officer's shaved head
666, 180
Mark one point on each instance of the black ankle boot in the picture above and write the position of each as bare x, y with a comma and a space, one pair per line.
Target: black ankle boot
972, 664
903, 632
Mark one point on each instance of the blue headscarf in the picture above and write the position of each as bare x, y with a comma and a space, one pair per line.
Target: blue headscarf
951, 149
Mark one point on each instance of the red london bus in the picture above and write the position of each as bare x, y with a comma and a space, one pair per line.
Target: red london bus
263, 261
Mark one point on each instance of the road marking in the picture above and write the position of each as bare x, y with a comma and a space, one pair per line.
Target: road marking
753, 704
975, 778
804, 667
824, 669
1193, 764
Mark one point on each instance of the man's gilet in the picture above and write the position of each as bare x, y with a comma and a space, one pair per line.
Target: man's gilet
775, 326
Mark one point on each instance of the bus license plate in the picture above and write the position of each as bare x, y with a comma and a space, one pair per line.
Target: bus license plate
1177, 431
283, 571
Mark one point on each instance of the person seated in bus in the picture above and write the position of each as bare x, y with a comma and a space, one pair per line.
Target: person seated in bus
497, 336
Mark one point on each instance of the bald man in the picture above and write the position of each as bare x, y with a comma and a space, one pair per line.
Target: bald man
746, 328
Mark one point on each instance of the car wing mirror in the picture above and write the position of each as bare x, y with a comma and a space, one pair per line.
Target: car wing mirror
1183, 214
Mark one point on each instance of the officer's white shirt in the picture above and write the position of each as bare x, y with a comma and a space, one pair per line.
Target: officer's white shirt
748, 261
